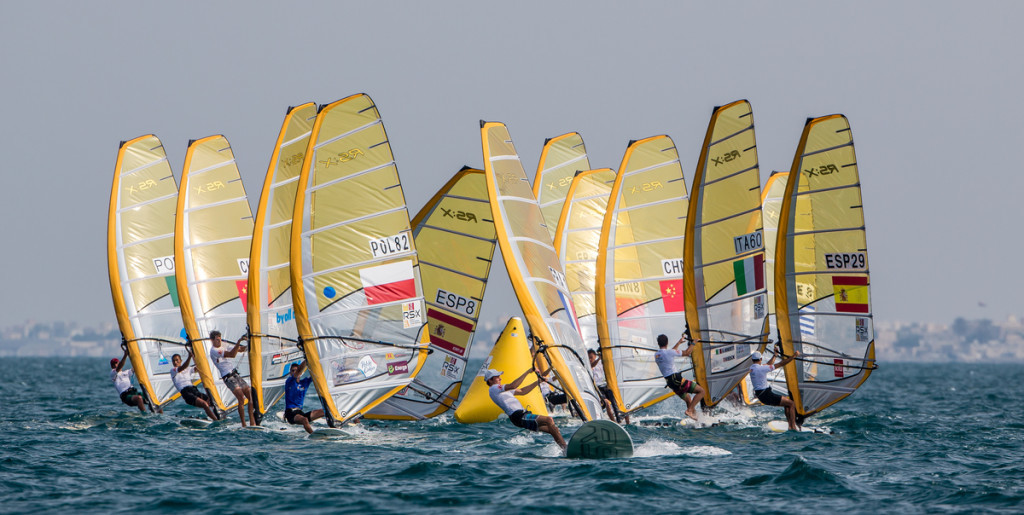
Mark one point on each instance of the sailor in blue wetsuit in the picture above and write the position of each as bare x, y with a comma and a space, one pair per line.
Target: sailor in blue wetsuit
295, 396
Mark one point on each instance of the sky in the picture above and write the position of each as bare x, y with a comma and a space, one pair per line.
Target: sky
930, 89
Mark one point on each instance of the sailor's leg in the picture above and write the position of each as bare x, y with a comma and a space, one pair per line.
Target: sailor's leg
240, 397
547, 424
698, 391
790, 408
140, 403
201, 403
315, 414
248, 404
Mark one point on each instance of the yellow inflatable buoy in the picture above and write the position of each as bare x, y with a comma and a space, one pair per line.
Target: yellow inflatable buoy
511, 355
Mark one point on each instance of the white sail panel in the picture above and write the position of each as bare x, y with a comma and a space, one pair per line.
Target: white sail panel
725, 248
140, 261
640, 271
577, 240
455, 241
537, 274
822, 270
356, 287
270, 315
213, 233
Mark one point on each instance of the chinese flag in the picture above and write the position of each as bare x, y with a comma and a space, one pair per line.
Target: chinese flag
243, 288
672, 295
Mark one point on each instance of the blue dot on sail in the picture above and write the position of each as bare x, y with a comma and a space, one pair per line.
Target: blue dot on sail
329, 292
183, 333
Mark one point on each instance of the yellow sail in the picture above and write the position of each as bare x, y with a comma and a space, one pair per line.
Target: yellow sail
269, 314
533, 266
725, 279
640, 272
354, 268
822, 281
511, 355
560, 159
140, 262
455, 241
771, 204
577, 239
212, 236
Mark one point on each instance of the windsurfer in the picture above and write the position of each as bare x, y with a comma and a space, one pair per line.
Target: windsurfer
665, 359
504, 397
181, 375
123, 382
295, 396
597, 369
553, 398
229, 373
763, 391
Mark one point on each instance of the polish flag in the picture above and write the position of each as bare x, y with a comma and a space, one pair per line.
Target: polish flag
388, 283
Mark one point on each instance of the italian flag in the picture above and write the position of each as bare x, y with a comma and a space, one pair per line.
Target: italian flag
851, 293
388, 283
749, 274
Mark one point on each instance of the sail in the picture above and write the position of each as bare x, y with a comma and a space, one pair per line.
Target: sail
140, 260
272, 344
821, 270
212, 236
455, 240
510, 355
560, 159
577, 238
533, 266
727, 313
354, 269
640, 272
771, 203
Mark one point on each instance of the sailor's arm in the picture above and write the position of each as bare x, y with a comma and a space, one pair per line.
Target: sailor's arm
519, 380
124, 358
528, 388
788, 359
238, 346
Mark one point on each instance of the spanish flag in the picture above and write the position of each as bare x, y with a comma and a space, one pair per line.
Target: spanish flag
851, 293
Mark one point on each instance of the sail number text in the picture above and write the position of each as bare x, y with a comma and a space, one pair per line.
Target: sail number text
456, 302
748, 242
390, 245
846, 261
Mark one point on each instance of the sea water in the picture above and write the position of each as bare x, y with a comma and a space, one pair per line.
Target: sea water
914, 439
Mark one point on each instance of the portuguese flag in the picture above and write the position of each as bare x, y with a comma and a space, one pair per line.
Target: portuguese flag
851, 293
172, 287
749, 274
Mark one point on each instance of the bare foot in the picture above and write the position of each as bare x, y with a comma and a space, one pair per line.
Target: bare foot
691, 413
